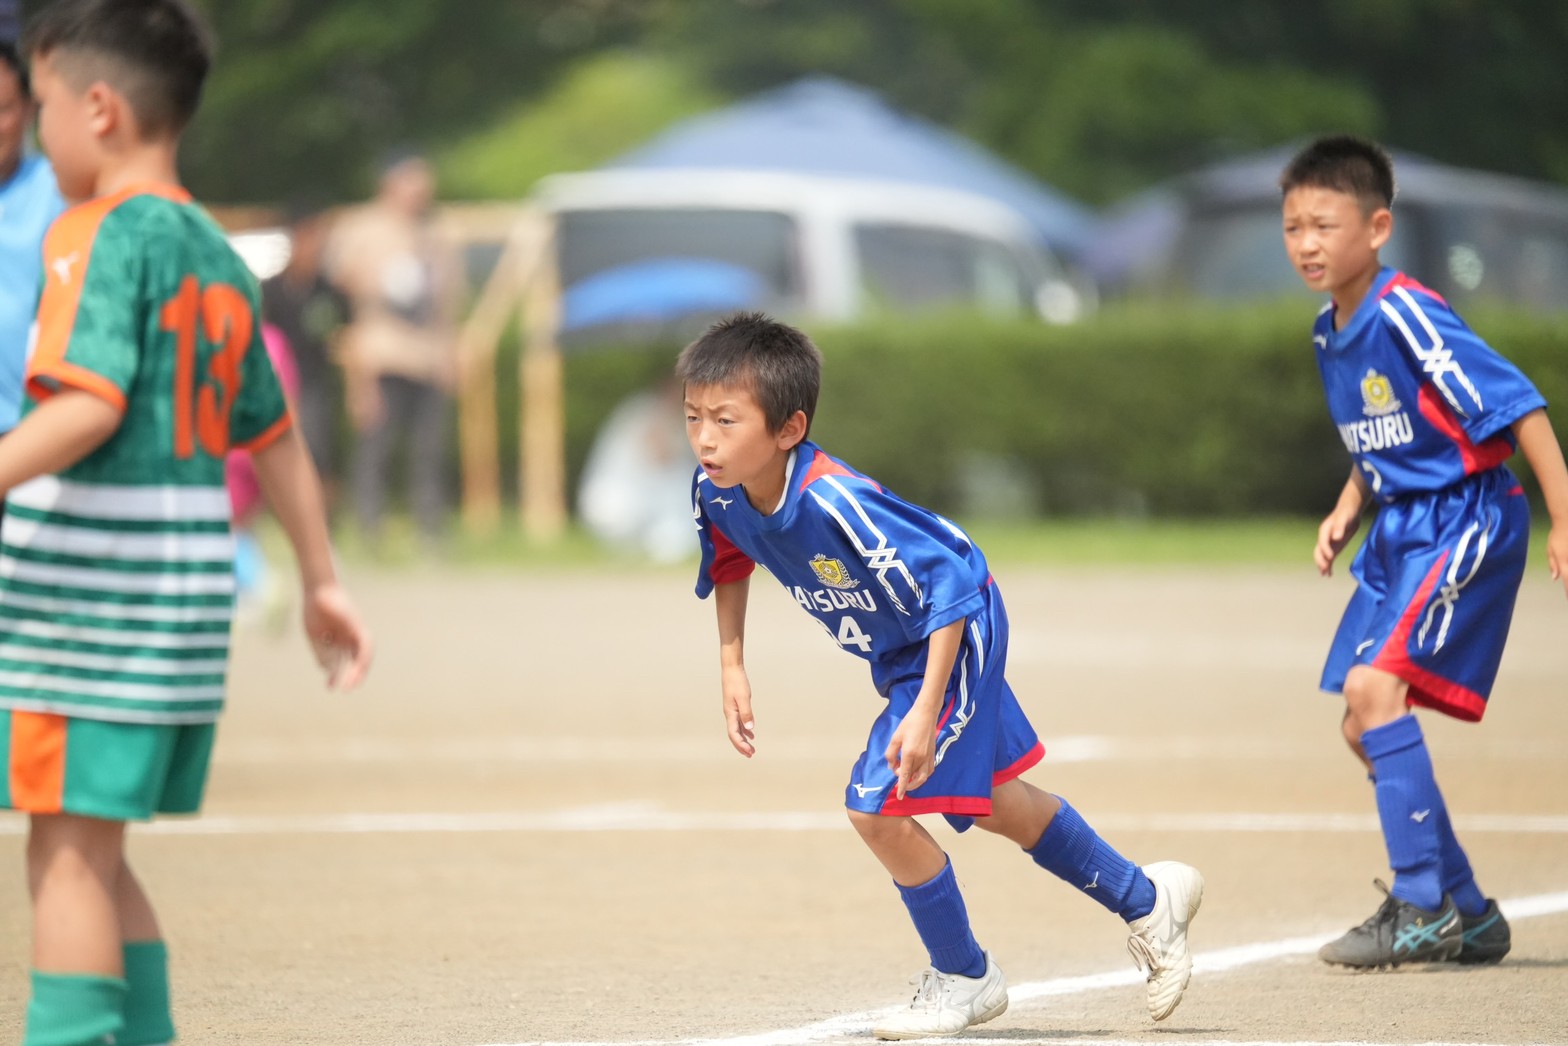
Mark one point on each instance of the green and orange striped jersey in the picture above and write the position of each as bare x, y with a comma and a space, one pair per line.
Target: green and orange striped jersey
116, 574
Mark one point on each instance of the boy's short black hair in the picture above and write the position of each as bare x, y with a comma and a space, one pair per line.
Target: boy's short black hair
154, 52
1344, 163
11, 59
777, 362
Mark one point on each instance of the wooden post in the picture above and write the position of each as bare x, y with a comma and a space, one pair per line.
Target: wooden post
478, 342
542, 380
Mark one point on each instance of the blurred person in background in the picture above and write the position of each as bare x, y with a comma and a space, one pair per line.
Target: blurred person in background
29, 202
402, 281
309, 312
635, 493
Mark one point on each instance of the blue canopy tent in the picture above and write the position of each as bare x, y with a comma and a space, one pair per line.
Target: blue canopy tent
820, 125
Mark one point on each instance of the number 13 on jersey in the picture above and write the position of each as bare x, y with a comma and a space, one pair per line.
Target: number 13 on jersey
218, 315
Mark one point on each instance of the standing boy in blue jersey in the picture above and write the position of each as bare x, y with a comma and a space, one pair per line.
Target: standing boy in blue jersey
1429, 414
909, 592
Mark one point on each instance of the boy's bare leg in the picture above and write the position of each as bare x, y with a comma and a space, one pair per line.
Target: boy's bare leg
73, 872
1020, 812
1373, 698
908, 852
138, 922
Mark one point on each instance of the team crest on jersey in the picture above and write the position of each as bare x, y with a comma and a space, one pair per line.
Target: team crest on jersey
832, 572
1377, 395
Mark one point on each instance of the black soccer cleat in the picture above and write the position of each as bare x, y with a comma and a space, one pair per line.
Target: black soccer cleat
1486, 936
1398, 933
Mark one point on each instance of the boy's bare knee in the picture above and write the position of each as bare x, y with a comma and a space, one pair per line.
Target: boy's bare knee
67, 845
1373, 698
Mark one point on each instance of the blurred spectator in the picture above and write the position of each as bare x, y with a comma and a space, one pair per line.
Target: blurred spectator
29, 201
400, 348
309, 312
636, 490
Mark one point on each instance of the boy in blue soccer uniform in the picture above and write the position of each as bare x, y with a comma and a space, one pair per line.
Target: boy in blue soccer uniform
907, 591
1429, 413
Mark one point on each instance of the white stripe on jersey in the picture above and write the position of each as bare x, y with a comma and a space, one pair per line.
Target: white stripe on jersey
104, 688
168, 546
880, 559
142, 666
212, 584
217, 642
108, 501
1436, 359
117, 611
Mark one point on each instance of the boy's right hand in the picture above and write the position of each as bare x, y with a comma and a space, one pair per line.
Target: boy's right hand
1334, 533
338, 637
737, 711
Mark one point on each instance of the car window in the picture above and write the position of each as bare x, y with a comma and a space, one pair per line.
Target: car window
762, 242
907, 266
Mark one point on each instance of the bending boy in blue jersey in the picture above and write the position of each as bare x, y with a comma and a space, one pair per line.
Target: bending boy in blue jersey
1429, 414
909, 592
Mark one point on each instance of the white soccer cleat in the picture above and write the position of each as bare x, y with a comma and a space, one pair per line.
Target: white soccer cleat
1159, 940
947, 1003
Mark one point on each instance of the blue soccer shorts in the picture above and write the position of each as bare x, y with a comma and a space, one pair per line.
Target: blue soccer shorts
1436, 584
983, 737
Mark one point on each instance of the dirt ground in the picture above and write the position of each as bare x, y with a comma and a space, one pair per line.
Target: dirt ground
530, 827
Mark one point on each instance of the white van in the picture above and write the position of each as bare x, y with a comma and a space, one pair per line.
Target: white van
800, 245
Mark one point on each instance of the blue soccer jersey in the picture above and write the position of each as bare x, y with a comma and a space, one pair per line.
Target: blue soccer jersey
1420, 401
878, 573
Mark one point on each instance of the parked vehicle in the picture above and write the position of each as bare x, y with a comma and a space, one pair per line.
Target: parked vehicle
1215, 234
651, 246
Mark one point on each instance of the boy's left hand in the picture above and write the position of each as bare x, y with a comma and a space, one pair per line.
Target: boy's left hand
339, 639
911, 754
1557, 554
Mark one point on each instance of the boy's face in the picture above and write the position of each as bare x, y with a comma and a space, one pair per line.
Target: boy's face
1332, 244
728, 433
67, 129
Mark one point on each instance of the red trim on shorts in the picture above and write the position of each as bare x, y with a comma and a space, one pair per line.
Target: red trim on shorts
1476, 457
1017, 769
37, 762
1516, 491
1426, 688
963, 805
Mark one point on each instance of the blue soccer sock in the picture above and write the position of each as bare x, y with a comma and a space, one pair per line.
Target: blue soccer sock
1070, 850
1458, 879
942, 921
1410, 808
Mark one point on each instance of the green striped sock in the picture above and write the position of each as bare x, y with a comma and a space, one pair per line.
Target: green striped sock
74, 1009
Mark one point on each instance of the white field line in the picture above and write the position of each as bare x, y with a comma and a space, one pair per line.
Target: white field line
856, 1027
649, 817
1084, 748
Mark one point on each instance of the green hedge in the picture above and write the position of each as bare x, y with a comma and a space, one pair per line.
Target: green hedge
1197, 412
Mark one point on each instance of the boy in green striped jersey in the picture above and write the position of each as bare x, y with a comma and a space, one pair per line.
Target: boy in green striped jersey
116, 579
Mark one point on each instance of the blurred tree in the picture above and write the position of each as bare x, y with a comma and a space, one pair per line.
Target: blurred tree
308, 94
1095, 96
603, 106
1096, 108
